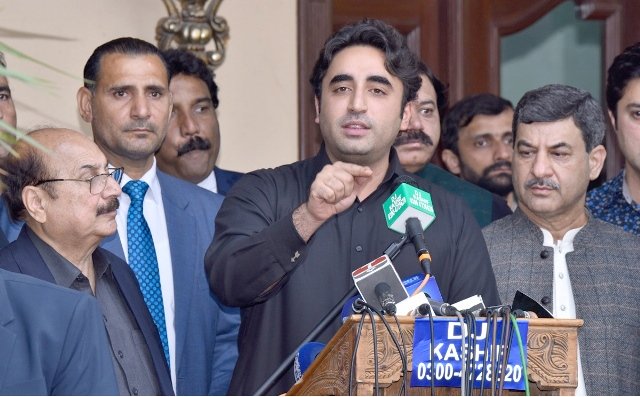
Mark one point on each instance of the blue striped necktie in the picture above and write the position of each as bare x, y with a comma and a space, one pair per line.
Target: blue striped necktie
143, 260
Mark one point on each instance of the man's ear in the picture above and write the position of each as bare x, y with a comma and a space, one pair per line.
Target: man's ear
406, 117
317, 104
83, 97
35, 202
596, 161
451, 161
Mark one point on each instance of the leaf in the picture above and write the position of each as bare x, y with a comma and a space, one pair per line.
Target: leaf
10, 135
10, 50
23, 77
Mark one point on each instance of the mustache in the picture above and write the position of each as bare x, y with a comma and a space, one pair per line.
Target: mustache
195, 143
408, 136
542, 182
141, 124
111, 205
495, 166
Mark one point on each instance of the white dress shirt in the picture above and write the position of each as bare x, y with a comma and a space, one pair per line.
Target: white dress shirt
564, 305
153, 211
210, 183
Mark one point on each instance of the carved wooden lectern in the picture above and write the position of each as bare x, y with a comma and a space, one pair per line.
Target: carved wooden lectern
552, 347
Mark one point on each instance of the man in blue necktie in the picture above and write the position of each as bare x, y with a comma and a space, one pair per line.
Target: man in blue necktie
126, 99
143, 260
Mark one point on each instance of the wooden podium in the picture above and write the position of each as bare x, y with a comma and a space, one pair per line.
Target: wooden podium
552, 347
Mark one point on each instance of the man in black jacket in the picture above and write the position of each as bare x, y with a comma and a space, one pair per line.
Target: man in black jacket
287, 239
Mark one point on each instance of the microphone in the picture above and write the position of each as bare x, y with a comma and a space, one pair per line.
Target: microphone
305, 357
385, 297
379, 284
488, 311
408, 179
519, 313
422, 310
409, 210
439, 308
357, 306
408, 201
414, 231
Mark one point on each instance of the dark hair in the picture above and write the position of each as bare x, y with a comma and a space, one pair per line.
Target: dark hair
555, 102
122, 45
625, 67
462, 113
187, 63
399, 60
439, 87
21, 171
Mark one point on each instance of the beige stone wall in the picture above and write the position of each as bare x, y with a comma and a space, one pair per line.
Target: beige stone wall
258, 86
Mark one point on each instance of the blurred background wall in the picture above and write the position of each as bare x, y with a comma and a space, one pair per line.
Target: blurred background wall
258, 84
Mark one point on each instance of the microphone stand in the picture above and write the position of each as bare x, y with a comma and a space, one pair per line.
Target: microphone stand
317, 330
392, 251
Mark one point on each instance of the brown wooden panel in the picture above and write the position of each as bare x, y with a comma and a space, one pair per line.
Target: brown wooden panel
484, 22
314, 26
419, 20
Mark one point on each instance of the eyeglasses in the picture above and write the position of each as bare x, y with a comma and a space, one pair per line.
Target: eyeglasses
97, 183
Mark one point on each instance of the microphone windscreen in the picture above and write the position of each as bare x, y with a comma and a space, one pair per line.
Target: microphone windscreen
408, 179
408, 201
347, 308
305, 356
382, 288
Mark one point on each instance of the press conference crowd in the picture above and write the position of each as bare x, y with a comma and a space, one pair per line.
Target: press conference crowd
132, 265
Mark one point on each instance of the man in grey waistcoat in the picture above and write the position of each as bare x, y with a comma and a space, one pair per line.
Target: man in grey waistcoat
555, 251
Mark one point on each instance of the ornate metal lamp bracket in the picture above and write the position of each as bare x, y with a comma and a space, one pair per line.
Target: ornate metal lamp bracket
190, 26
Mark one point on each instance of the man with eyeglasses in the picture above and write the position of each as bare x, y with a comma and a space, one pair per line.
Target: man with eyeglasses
68, 197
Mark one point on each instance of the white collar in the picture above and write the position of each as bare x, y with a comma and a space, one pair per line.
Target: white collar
210, 182
563, 245
151, 178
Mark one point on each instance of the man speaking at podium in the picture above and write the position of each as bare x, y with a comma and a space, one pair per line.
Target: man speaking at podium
553, 250
287, 239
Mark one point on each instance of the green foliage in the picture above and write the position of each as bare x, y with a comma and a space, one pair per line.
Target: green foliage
8, 134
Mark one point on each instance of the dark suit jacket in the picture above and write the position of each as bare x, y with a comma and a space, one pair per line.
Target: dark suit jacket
225, 179
52, 340
604, 269
22, 256
3, 240
206, 331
